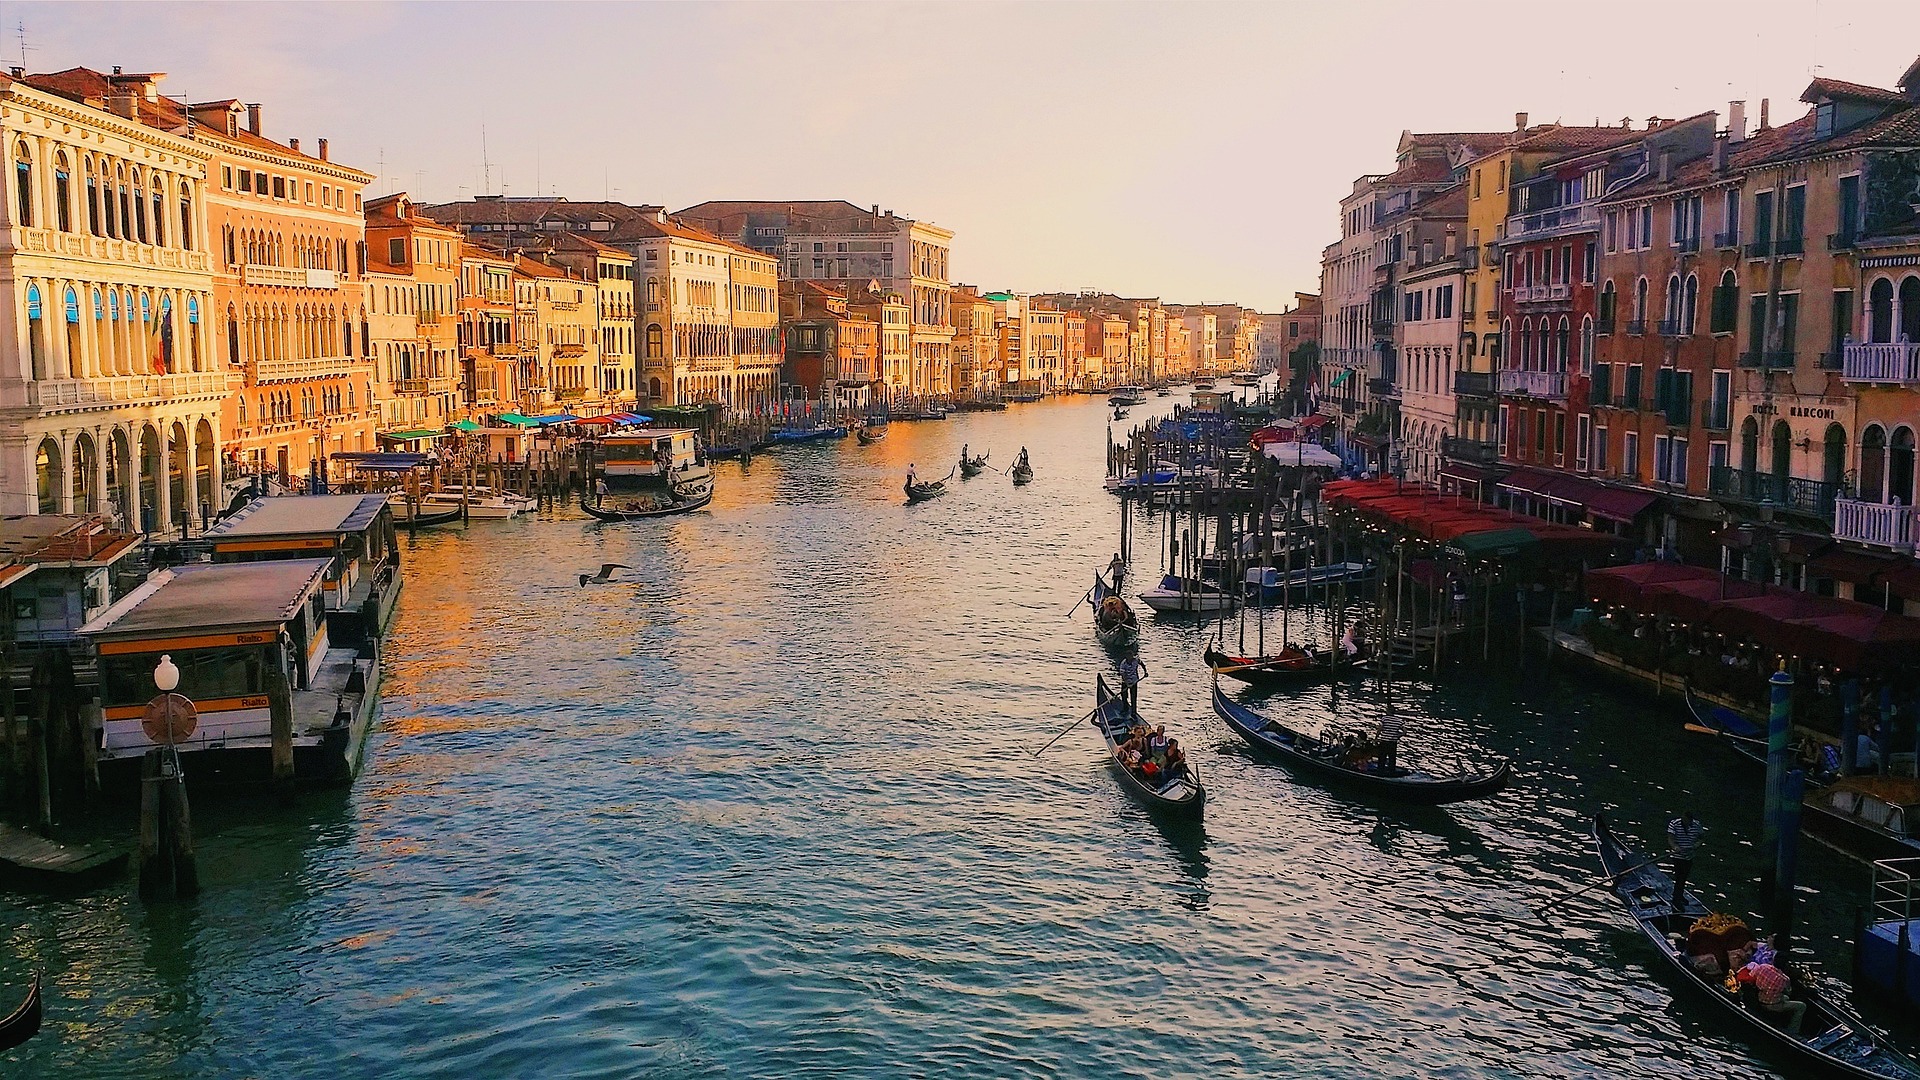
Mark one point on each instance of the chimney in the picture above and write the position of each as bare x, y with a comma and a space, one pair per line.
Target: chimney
123, 103
17, 72
116, 69
323, 150
1666, 165
1626, 123
293, 145
1720, 153
1736, 122
253, 118
1763, 115
876, 209
1519, 121
233, 124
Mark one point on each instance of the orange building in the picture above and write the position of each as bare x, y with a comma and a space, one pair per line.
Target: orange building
413, 280
290, 317
1074, 357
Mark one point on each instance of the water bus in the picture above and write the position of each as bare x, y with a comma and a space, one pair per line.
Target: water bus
354, 533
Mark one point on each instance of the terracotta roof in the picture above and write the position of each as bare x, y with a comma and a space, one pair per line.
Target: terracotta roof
1835, 88
1483, 142
536, 268
565, 241
1418, 171
1562, 139
90, 87
1760, 147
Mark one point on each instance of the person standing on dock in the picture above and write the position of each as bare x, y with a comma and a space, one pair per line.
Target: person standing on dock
1131, 672
1683, 839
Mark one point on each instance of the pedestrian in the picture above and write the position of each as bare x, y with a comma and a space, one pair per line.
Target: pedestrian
1132, 670
1683, 839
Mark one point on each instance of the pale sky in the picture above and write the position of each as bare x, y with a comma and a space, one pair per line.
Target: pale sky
1194, 151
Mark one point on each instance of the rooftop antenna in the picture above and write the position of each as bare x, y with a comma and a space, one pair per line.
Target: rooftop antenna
486, 167
382, 170
21, 29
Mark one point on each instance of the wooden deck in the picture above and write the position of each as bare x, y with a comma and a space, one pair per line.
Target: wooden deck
27, 859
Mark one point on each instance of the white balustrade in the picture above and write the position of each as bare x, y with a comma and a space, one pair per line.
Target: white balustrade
1878, 524
1880, 362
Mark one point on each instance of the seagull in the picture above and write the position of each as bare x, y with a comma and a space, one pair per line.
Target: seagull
605, 575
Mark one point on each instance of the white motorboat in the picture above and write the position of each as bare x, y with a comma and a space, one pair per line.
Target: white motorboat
479, 501
1176, 596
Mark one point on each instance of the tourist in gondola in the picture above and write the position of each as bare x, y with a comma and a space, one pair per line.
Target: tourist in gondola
1683, 839
1132, 670
1773, 988
1176, 760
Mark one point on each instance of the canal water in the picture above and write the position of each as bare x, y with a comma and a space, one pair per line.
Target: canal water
767, 807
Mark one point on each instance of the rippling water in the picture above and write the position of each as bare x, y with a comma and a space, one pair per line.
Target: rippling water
768, 810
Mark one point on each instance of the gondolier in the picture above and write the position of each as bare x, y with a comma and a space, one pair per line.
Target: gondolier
1132, 670
1391, 728
1117, 569
1683, 839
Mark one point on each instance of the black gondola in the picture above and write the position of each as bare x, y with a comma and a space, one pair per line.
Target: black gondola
24, 1022
1114, 623
922, 492
1292, 666
1022, 474
423, 519
1304, 753
1832, 1041
871, 433
972, 467
1183, 798
680, 504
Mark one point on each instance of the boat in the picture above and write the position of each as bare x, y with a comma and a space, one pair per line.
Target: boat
870, 432
922, 492
1832, 1041
807, 434
355, 533
478, 502
1204, 382
1291, 666
1870, 817
639, 508
1348, 764
22, 1023
1183, 798
1022, 473
1178, 596
1126, 395
1745, 736
972, 467
416, 516
1267, 583
1114, 623
1246, 378
1163, 391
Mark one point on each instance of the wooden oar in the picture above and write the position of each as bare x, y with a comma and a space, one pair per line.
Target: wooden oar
1064, 730
1084, 597
1705, 730
1541, 911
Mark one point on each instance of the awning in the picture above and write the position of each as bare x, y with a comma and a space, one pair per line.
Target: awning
517, 420
1494, 543
1853, 567
1615, 504
409, 436
556, 418
1300, 455
1371, 442
1315, 420
1530, 481
1340, 377
374, 461
465, 425
1468, 474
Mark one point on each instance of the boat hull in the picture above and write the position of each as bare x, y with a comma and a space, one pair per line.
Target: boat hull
1167, 602
678, 506
1307, 669
1110, 714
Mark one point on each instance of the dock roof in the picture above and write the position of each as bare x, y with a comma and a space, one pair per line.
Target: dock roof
212, 597
300, 515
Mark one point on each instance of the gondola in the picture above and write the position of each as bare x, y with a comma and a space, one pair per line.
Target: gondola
972, 467
1021, 473
680, 504
1304, 753
1832, 1041
1746, 737
871, 433
922, 492
1184, 798
1114, 623
421, 517
1292, 666
22, 1023
1119, 413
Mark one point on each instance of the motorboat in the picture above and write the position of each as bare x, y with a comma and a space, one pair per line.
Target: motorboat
477, 501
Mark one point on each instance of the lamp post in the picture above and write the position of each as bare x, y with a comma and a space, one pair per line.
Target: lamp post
166, 830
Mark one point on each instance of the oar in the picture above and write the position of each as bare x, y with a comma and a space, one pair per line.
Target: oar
1084, 597
1064, 730
1541, 911
1704, 730
1265, 663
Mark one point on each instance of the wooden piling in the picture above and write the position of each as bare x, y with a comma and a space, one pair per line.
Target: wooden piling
166, 863
280, 721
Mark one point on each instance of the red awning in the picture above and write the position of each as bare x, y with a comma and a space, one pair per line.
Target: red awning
1530, 481
1626, 585
1315, 420
1853, 567
1616, 504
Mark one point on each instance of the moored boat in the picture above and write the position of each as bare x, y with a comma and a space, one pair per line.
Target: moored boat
870, 432
1831, 1040
23, 1022
1178, 596
1114, 623
1271, 583
412, 515
1246, 378
1291, 666
1364, 765
638, 507
478, 501
807, 434
1183, 797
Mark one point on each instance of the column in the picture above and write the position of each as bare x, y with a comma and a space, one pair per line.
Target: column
102, 446
188, 469
162, 479
65, 464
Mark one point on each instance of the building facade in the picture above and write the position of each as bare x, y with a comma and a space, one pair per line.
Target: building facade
413, 284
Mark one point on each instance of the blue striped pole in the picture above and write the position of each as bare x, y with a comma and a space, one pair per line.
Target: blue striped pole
1779, 724
1792, 789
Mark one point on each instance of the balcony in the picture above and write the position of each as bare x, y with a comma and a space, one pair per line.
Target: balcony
1759, 249
1636, 326
104, 249
1880, 362
1810, 498
1750, 358
1473, 384
413, 386
1790, 245
1492, 315
319, 367
1876, 524
1687, 244
1730, 240
60, 394
1716, 415
1671, 328
1780, 359
1548, 385
1842, 241
1603, 327
1552, 222
1383, 327
1470, 450
1470, 258
1828, 361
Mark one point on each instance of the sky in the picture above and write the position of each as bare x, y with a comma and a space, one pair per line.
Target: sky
1194, 151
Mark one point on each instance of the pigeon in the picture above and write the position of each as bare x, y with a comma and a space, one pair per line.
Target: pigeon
605, 575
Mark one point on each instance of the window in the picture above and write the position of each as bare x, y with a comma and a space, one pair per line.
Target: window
1613, 231
1726, 304
1689, 305
23, 187
1662, 452
1582, 440
1476, 183
1763, 218
1559, 438
1630, 454
260, 183
1630, 386
1849, 207
279, 187
1823, 120
1842, 325
1794, 219
1609, 300
1589, 263
186, 217
62, 195
397, 251
1730, 219
1716, 457
1599, 449
246, 181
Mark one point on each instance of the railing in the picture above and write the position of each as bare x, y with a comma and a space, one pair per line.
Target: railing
1670, 328
1471, 450
413, 386
318, 367
1810, 497
127, 389
1874, 523
1470, 258
1636, 326
1537, 384
1880, 362
1716, 415
1521, 226
1759, 249
1688, 244
262, 274
1779, 359
1842, 241
1383, 326
100, 248
1473, 384
427, 318
1790, 245
1603, 326
1750, 359
1381, 388
1727, 239
1492, 314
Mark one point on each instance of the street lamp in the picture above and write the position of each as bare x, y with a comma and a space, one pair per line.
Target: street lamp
166, 676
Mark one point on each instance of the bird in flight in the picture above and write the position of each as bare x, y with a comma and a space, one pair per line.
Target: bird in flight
605, 575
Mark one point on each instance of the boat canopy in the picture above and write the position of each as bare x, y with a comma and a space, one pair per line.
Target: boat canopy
376, 461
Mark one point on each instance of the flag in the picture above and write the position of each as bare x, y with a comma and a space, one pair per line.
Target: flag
162, 358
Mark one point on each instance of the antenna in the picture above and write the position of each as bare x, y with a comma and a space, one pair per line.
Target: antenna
24, 48
486, 167
382, 168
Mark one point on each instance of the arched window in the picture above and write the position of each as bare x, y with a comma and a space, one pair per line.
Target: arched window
654, 341
166, 336
36, 332
186, 217
47, 476
1672, 319
62, 194
1586, 344
1726, 304
1910, 308
1749, 445
86, 499
1561, 344
23, 186
1873, 463
1689, 304
1640, 302
1833, 458
159, 213
1900, 467
193, 333
1880, 308
93, 199
139, 231
1782, 450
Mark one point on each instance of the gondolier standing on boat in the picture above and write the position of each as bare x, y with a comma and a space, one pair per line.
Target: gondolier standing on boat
913, 478
1391, 728
1131, 672
1117, 569
1683, 839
